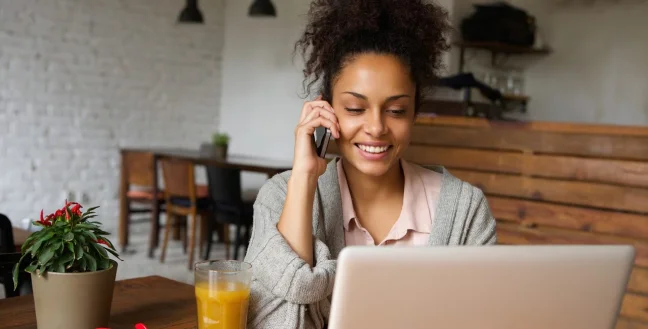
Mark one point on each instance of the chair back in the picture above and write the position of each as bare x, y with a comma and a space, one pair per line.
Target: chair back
139, 167
178, 178
6, 235
224, 183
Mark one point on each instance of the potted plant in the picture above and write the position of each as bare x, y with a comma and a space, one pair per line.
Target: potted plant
220, 142
72, 274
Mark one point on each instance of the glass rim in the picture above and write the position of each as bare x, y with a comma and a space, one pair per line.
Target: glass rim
199, 266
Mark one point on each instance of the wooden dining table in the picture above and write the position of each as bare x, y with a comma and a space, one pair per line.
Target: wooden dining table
20, 236
267, 166
155, 301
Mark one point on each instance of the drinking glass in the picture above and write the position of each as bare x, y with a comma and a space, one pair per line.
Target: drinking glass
222, 293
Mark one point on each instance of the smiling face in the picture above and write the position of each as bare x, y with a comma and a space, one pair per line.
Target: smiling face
374, 101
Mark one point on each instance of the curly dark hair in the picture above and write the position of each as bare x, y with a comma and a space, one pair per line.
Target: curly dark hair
337, 30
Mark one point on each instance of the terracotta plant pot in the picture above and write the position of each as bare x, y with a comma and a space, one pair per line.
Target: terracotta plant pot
220, 151
74, 300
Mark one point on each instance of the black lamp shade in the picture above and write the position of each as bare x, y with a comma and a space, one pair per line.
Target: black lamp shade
262, 8
191, 13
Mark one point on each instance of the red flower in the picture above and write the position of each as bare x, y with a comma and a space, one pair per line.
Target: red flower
102, 241
45, 222
76, 209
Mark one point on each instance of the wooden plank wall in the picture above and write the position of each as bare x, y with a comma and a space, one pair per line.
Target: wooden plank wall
553, 183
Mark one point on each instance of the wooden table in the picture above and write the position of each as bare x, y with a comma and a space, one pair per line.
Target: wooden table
261, 165
20, 236
270, 167
157, 302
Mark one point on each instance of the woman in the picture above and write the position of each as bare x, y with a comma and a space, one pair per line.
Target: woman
373, 59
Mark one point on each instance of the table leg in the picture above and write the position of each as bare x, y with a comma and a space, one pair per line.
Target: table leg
154, 238
123, 207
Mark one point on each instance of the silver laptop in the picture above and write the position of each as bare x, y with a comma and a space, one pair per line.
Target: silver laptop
474, 287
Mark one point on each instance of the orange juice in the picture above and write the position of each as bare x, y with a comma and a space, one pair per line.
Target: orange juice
222, 305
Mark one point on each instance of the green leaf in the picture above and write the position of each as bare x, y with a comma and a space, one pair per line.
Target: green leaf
15, 275
31, 268
46, 256
113, 253
39, 242
55, 245
79, 251
68, 237
101, 250
29, 241
37, 223
81, 239
15, 271
92, 263
100, 232
70, 247
83, 264
42, 269
47, 236
109, 243
104, 263
59, 267
91, 235
66, 258
85, 226
34, 249
90, 210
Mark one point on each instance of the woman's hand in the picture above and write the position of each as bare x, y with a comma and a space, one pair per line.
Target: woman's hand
296, 221
314, 114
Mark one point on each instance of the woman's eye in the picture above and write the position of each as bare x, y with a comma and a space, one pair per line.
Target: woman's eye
352, 110
397, 111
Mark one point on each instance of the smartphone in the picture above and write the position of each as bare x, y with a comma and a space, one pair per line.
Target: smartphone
322, 138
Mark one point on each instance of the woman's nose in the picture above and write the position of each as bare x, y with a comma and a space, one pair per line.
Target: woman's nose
375, 125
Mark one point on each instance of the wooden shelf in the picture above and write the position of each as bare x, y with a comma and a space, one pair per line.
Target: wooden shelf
517, 98
498, 47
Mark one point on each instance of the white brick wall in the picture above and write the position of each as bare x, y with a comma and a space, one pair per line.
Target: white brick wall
79, 79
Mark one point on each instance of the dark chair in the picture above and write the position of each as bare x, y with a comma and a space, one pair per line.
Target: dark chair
7, 244
8, 259
229, 207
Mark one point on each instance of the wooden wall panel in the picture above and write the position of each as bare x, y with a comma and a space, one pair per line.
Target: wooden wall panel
508, 233
630, 173
639, 281
546, 126
530, 213
566, 192
624, 323
635, 307
615, 147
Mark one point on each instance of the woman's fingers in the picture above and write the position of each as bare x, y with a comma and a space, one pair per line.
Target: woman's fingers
309, 127
310, 106
321, 113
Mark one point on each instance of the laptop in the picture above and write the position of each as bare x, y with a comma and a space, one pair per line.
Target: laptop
480, 287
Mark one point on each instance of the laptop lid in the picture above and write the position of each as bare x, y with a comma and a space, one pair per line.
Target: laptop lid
480, 287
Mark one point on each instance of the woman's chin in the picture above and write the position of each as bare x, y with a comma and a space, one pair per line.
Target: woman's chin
374, 168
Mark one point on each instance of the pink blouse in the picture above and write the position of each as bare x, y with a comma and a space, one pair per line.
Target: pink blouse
413, 226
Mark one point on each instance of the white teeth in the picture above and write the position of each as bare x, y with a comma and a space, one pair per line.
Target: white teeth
373, 149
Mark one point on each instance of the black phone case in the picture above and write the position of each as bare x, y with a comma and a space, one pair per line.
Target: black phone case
322, 138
